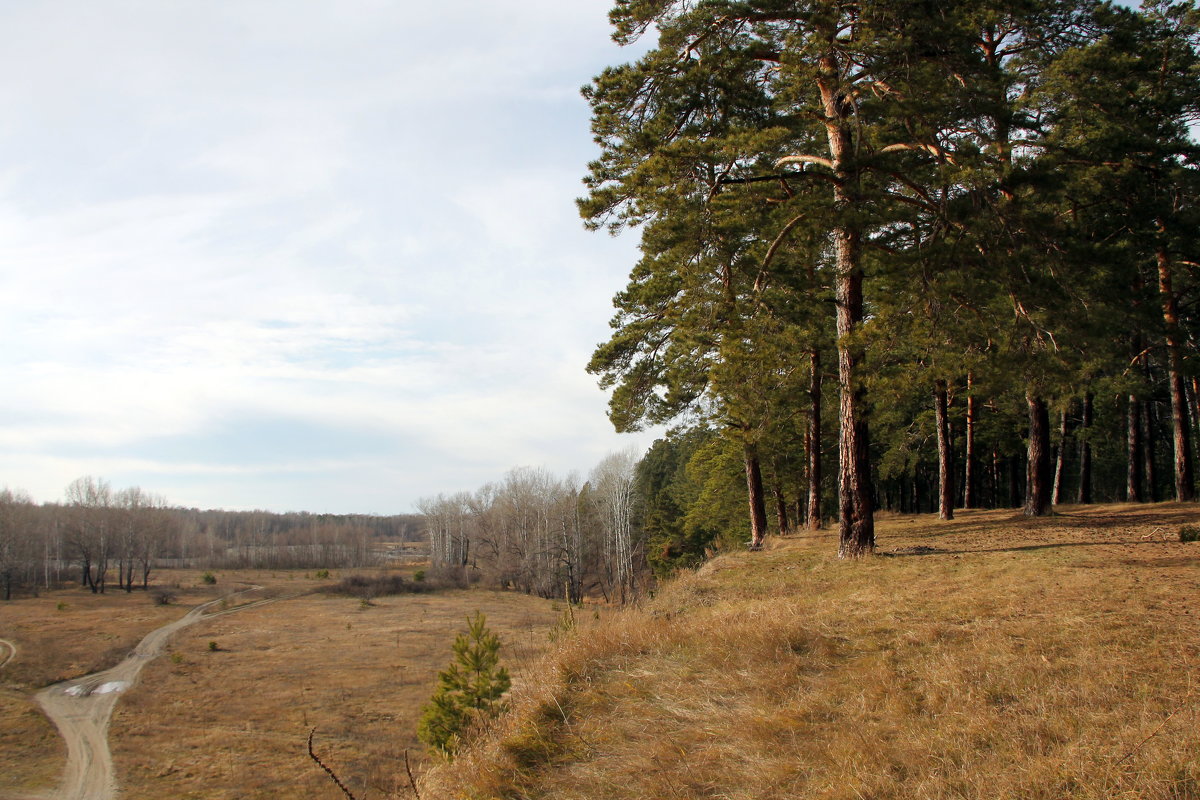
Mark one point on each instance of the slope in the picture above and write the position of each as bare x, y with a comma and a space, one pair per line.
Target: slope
989, 657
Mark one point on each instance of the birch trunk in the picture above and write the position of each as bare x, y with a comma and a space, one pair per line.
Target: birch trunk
970, 479
945, 475
1085, 452
814, 441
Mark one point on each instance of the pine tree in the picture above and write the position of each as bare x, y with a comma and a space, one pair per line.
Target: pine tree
469, 689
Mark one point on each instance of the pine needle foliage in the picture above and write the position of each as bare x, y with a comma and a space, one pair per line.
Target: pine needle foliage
470, 689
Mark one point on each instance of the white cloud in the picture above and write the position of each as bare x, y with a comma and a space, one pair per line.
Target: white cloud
298, 254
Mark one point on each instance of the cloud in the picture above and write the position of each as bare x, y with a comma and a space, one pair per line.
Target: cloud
293, 255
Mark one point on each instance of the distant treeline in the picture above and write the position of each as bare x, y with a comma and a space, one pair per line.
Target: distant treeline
540, 534
100, 537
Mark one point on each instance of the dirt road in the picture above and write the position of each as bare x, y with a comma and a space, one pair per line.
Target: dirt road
82, 708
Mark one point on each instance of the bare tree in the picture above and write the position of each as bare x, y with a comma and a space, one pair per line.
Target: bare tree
89, 529
613, 495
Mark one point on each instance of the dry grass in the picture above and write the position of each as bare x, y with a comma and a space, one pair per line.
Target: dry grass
61, 635
233, 723
990, 657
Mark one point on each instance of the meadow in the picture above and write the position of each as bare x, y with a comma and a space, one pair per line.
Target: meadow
989, 657
993, 656
226, 712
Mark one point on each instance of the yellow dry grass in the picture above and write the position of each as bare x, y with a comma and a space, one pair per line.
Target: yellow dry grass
989, 657
233, 723
65, 634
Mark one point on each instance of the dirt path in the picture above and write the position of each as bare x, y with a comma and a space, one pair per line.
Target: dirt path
82, 708
8, 651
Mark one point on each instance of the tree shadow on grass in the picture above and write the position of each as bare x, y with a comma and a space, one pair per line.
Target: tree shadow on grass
1162, 561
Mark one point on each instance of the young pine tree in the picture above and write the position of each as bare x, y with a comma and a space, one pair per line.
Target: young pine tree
469, 689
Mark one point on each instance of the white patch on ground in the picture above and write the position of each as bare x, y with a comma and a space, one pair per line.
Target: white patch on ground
111, 686
104, 688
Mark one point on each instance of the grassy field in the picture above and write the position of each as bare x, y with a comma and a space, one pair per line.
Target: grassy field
989, 657
232, 722
62, 635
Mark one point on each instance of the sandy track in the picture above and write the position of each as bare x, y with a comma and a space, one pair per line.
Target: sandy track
8, 651
81, 708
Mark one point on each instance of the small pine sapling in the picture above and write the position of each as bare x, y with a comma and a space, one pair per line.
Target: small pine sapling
469, 689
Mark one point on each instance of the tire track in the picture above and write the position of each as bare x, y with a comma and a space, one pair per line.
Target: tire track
8, 651
82, 708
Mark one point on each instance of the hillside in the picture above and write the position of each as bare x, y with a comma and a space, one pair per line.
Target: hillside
989, 657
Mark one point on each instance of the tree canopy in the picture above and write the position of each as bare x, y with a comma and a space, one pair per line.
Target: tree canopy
982, 213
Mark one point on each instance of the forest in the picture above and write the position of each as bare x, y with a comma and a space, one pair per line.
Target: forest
99, 534
555, 537
899, 255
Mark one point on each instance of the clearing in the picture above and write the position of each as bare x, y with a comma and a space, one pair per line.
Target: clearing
226, 712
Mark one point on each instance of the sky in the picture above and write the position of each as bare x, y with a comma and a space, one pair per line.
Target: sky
300, 255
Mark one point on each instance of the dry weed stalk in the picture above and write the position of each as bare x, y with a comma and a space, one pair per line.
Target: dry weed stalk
1182, 705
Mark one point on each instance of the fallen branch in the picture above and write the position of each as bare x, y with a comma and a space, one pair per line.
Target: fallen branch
412, 782
333, 775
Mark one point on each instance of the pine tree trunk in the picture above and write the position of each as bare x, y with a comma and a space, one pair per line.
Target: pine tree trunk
781, 512
1085, 452
1133, 451
855, 495
1060, 460
1185, 489
945, 475
814, 439
970, 479
1038, 476
754, 487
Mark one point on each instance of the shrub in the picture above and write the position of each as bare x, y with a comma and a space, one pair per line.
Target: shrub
322, 574
62, 606
419, 575
1189, 533
213, 647
371, 586
163, 596
208, 579
469, 690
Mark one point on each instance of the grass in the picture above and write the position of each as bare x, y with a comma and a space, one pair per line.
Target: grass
233, 722
989, 657
62, 635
